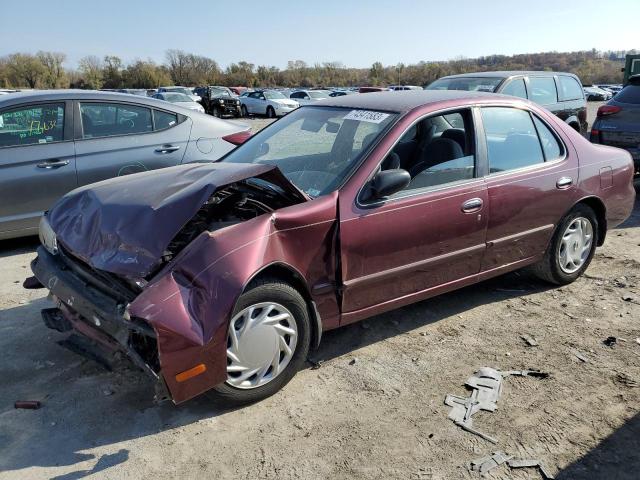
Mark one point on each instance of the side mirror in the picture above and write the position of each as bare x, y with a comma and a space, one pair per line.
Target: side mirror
388, 182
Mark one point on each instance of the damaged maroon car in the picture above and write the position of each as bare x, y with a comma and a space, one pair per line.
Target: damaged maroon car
224, 275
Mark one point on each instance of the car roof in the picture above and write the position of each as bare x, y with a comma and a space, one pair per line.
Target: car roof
401, 101
70, 94
508, 73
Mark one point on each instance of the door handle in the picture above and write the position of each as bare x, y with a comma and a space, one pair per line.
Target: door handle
564, 182
167, 149
53, 163
472, 205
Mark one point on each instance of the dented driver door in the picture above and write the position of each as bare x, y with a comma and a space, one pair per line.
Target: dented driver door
114, 139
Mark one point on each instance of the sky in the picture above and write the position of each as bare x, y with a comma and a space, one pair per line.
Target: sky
356, 33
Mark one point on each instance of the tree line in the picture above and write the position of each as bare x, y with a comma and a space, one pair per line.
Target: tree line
47, 70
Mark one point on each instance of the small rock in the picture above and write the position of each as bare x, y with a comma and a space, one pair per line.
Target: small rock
414, 359
588, 320
423, 334
627, 297
507, 354
532, 342
638, 340
610, 341
353, 361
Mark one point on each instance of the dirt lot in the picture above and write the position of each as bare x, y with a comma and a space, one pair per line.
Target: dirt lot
374, 409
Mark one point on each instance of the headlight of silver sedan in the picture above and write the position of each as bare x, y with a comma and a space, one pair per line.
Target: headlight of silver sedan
47, 236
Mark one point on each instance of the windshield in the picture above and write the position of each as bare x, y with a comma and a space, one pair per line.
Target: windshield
273, 95
470, 84
220, 92
176, 97
316, 148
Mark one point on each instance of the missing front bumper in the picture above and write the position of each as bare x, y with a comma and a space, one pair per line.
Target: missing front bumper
97, 318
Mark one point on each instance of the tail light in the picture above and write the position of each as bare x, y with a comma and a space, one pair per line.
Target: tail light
605, 110
595, 136
238, 138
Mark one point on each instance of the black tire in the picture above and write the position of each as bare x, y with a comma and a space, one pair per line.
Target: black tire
216, 112
548, 268
270, 290
245, 112
271, 113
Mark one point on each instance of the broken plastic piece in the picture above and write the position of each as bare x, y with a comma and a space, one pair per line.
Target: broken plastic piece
486, 464
528, 463
27, 404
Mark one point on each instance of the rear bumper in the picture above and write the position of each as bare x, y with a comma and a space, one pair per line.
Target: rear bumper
95, 315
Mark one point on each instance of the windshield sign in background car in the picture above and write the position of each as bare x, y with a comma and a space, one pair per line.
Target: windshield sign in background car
54, 141
560, 93
341, 210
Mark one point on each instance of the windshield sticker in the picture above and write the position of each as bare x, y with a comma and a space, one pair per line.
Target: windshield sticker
366, 116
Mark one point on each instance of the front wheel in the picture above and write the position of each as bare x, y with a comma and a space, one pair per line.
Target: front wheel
267, 342
271, 113
571, 249
245, 112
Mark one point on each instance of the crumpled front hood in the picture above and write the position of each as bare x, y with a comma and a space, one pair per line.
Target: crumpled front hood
125, 224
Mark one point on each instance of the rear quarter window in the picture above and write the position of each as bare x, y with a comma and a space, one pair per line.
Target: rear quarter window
629, 94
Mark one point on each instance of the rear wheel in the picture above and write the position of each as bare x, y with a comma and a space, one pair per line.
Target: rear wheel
267, 342
271, 113
216, 112
571, 249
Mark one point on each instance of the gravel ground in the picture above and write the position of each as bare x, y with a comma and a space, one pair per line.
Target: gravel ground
374, 409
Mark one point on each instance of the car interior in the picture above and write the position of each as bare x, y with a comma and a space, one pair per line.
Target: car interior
102, 120
436, 150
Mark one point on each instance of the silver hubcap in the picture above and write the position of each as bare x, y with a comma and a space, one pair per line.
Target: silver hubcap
575, 245
261, 341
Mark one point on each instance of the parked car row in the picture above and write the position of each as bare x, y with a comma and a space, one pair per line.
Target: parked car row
597, 94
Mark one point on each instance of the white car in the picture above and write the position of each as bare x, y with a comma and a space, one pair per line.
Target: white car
180, 99
266, 102
305, 97
183, 90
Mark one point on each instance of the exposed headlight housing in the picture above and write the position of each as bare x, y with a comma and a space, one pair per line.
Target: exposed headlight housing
47, 236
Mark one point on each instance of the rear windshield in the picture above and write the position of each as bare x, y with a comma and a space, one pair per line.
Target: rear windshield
470, 84
629, 94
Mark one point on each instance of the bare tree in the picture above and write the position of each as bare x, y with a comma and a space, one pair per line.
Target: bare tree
54, 75
91, 68
25, 70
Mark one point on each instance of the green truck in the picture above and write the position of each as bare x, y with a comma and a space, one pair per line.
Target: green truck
631, 67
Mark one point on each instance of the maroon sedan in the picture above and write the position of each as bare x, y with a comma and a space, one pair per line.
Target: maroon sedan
224, 275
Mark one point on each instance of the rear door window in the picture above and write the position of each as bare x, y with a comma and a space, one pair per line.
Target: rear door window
629, 94
512, 140
550, 145
110, 119
570, 89
33, 124
543, 90
515, 88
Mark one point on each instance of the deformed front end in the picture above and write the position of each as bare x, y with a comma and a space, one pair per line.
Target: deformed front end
150, 266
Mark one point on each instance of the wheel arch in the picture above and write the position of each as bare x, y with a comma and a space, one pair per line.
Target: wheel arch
285, 272
573, 122
597, 205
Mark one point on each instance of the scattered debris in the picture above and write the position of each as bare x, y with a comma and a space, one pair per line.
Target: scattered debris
485, 464
580, 356
485, 386
315, 364
353, 361
529, 463
27, 404
532, 342
610, 341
